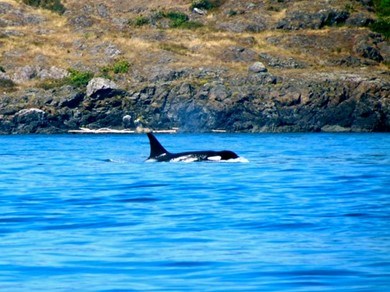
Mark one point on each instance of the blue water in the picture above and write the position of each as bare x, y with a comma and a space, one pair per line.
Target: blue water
308, 212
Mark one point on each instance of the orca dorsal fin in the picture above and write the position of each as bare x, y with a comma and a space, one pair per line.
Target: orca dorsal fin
156, 149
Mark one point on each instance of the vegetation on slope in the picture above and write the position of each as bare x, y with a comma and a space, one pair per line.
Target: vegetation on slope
382, 24
53, 5
93, 35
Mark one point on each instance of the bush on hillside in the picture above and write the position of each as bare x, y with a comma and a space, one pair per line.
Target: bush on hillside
382, 24
79, 78
7, 84
382, 7
177, 18
141, 20
53, 5
181, 20
121, 66
205, 4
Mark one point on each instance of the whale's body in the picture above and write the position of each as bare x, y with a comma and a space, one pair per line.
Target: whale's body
160, 154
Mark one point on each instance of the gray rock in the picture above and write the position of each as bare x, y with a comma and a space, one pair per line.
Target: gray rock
279, 62
384, 48
102, 10
257, 67
296, 20
8, 33
25, 115
349, 61
112, 51
5, 7
239, 54
81, 21
108, 49
30, 120
100, 86
16, 17
23, 74
3, 75
359, 19
68, 98
239, 26
127, 121
367, 47
52, 73
232, 26
164, 74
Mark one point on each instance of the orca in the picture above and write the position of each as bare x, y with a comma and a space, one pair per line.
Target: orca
160, 154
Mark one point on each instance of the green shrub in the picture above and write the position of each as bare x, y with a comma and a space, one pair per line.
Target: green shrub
382, 26
53, 5
177, 18
79, 78
141, 20
7, 84
2, 69
105, 72
232, 13
181, 20
205, 4
121, 66
382, 7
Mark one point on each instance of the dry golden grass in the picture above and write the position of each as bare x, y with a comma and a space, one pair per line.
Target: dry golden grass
64, 46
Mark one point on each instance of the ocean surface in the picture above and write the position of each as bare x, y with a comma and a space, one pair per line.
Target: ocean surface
307, 212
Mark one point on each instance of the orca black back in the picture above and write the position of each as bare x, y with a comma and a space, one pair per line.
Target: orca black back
160, 154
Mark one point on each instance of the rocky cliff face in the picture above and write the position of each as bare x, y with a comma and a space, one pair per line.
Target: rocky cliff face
275, 66
255, 102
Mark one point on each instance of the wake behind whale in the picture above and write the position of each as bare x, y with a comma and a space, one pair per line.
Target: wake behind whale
159, 154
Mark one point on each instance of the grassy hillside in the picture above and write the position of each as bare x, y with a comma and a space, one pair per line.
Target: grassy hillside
159, 35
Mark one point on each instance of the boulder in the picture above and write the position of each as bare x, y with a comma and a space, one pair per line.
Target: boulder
367, 47
359, 20
102, 10
52, 73
239, 54
5, 7
199, 11
282, 62
127, 121
296, 20
23, 74
81, 21
257, 67
100, 87
30, 120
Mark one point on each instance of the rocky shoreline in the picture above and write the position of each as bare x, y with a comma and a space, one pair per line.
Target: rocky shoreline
252, 102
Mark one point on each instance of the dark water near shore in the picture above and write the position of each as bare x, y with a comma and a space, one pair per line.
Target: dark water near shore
308, 212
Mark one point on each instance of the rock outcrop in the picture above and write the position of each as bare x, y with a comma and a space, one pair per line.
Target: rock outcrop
100, 87
255, 102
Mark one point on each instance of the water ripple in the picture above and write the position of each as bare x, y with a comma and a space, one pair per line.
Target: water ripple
308, 212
